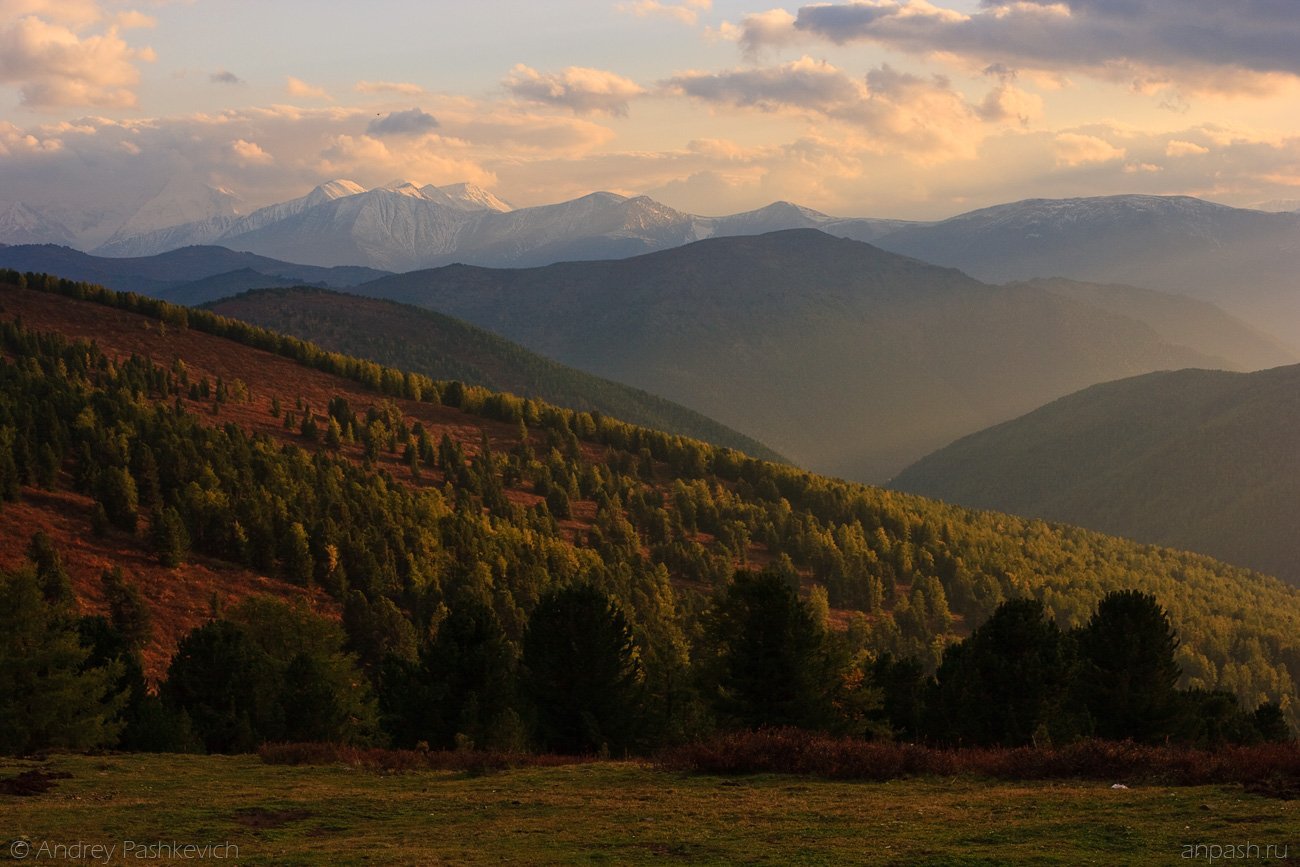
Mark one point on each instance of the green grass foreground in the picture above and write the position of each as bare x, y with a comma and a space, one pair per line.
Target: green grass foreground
620, 813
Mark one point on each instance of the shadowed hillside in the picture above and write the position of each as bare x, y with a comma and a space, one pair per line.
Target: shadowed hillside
848, 359
1196, 459
441, 347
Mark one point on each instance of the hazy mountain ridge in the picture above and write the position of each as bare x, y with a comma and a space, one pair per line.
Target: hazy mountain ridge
1196, 459
1245, 260
170, 274
400, 226
849, 359
445, 348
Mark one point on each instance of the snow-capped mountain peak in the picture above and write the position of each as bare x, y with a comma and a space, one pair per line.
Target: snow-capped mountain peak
331, 190
473, 197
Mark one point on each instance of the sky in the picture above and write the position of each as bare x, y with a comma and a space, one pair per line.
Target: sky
884, 108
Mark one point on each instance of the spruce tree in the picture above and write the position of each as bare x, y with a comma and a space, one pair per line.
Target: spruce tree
583, 672
49, 696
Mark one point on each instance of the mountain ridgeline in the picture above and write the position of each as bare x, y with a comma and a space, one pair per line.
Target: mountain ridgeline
438, 346
848, 359
1241, 259
189, 275
1204, 460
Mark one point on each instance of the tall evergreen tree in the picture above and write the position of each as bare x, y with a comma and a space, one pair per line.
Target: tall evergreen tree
1129, 673
1008, 683
49, 697
583, 672
770, 663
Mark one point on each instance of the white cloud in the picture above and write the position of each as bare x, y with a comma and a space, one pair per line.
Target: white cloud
685, 11
55, 65
1180, 148
578, 88
919, 118
247, 153
405, 88
1075, 149
298, 87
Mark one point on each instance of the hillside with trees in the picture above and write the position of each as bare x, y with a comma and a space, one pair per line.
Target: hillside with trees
441, 347
847, 359
1203, 460
509, 574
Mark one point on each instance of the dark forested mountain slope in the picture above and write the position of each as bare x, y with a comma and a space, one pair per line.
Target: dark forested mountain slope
420, 340
848, 359
1196, 459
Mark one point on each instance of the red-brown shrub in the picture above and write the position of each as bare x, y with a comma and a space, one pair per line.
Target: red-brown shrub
791, 751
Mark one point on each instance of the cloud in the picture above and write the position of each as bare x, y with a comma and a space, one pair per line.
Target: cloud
771, 29
1075, 149
1204, 45
73, 13
405, 88
920, 118
1180, 148
577, 88
249, 153
225, 76
298, 87
133, 20
802, 84
55, 65
685, 11
411, 122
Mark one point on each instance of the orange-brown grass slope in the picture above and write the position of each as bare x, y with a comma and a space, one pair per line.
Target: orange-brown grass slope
267, 376
184, 597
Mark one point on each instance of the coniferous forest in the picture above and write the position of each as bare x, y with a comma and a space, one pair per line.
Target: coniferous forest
492, 572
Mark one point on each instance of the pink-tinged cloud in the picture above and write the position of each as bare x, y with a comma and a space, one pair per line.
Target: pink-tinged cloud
685, 11
299, 88
578, 88
405, 88
55, 66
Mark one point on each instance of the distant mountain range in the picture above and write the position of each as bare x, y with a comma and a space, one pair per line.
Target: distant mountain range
191, 275
411, 338
401, 226
849, 359
1244, 260
1203, 460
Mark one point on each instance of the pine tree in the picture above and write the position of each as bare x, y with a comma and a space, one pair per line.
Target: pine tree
1129, 674
171, 541
770, 665
56, 586
48, 696
583, 672
128, 611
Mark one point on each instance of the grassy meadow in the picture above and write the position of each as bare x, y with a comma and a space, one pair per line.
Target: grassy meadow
618, 813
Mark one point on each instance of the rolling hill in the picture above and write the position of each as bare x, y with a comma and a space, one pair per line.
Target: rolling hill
441, 347
1196, 459
850, 360
393, 527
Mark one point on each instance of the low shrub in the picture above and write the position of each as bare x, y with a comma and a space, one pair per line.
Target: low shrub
792, 751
